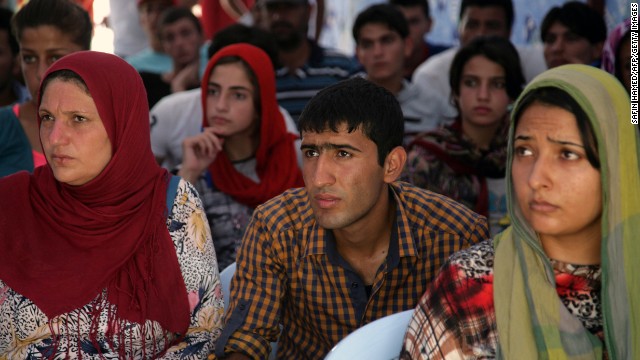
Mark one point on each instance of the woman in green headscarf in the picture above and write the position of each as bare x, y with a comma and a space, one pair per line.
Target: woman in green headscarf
563, 282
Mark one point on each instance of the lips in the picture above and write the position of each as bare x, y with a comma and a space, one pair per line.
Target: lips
481, 110
218, 120
542, 206
61, 158
326, 201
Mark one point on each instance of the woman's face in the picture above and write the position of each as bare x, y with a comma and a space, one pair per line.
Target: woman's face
230, 105
558, 191
73, 136
483, 98
40, 47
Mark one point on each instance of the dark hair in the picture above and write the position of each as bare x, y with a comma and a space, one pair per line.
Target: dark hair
175, 13
65, 75
238, 33
616, 55
384, 14
5, 24
553, 96
65, 15
359, 104
506, 5
232, 59
496, 49
424, 4
580, 18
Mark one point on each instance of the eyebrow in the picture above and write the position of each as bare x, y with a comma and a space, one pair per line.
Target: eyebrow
237, 87
560, 142
328, 146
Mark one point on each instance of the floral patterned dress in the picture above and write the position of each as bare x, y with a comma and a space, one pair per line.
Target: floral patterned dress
25, 331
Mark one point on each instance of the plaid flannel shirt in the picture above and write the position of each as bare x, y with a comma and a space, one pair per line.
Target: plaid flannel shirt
291, 282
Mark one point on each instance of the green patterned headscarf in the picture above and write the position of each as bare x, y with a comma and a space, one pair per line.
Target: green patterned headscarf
532, 321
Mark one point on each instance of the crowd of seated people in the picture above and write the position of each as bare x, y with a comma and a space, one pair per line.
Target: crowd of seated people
491, 189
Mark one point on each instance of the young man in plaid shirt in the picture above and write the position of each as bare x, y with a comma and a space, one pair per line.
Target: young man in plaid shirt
352, 246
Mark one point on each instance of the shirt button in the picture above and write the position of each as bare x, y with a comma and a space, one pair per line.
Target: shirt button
354, 285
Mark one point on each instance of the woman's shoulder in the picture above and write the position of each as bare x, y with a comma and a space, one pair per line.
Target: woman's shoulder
476, 261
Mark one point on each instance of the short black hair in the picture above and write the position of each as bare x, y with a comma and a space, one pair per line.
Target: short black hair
497, 49
359, 104
507, 5
553, 96
65, 15
424, 4
384, 14
580, 18
239, 33
175, 13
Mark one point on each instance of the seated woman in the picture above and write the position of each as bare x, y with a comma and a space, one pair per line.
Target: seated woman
244, 156
102, 254
562, 281
466, 160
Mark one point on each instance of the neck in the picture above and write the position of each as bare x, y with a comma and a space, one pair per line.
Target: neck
580, 249
481, 135
366, 238
295, 58
240, 147
156, 44
393, 83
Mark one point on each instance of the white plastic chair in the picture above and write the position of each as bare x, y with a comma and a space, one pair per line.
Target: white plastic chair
378, 340
225, 281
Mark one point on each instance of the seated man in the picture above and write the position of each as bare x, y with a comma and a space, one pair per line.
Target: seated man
181, 37
383, 44
418, 17
352, 246
573, 33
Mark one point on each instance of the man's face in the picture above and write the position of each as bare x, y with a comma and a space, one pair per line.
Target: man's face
483, 21
419, 24
181, 40
344, 181
288, 23
563, 46
381, 51
149, 13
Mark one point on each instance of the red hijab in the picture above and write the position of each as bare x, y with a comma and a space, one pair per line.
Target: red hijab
276, 161
61, 245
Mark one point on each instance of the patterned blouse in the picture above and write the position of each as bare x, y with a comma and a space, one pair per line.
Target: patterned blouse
455, 318
24, 328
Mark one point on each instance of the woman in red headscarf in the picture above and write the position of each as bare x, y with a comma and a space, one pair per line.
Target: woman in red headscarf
103, 254
244, 156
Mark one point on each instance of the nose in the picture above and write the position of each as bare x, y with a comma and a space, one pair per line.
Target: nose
483, 91
377, 48
539, 174
557, 45
322, 171
41, 69
57, 133
222, 102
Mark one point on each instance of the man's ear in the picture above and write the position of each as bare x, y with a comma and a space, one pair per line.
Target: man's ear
394, 164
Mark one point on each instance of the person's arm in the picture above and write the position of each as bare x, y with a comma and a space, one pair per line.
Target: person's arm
252, 320
191, 235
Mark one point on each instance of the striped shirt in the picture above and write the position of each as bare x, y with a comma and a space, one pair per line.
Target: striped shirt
325, 67
290, 279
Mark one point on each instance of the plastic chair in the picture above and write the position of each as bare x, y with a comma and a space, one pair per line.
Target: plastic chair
225, 279
378, 340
